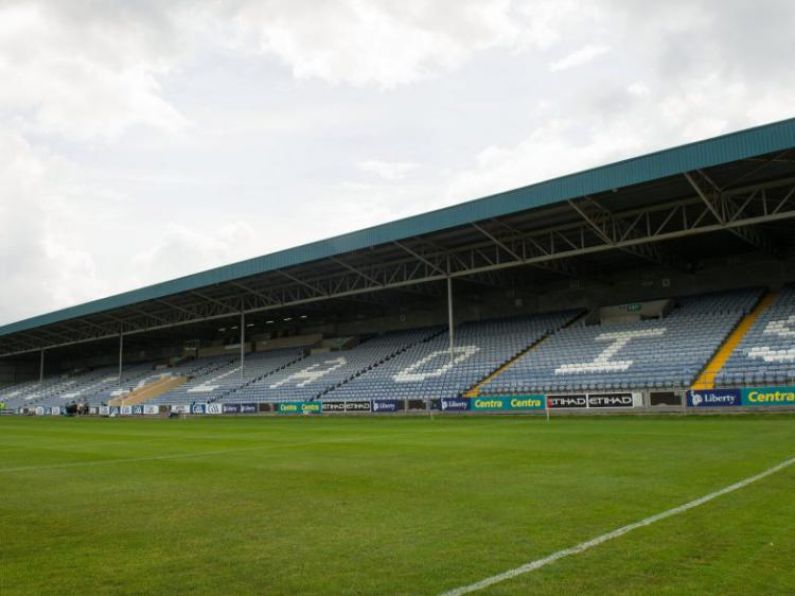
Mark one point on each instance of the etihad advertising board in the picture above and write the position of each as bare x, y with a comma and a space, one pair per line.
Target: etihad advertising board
768, 396
594, 400
611, 400
347, 406
567, 401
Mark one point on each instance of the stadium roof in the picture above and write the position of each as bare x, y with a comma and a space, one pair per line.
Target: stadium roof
729, 183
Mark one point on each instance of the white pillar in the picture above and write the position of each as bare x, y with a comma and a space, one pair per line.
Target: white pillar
121, 352
242, 343
450, 328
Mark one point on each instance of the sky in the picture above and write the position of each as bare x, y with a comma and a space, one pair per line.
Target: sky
145, 140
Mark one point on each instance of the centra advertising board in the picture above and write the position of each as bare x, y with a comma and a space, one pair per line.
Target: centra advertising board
497, 403
299, 407
768, 396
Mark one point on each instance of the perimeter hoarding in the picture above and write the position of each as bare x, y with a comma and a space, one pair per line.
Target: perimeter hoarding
512, 403
347, 406
455, 405
299, 407
388, 405
567, 401
768, 396
612, 400
595, 400
714, 398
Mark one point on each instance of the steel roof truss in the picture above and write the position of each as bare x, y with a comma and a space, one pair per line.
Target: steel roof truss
725, 209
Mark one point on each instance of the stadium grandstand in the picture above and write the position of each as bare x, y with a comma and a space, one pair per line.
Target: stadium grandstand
663, 281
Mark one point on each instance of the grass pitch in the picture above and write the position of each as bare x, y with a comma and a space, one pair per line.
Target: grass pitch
392, 505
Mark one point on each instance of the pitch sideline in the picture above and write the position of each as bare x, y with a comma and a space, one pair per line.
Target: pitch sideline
583, 546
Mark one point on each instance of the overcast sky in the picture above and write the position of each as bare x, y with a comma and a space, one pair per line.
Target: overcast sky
140, 141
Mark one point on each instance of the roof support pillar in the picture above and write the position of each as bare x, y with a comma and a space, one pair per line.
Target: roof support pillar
242, 343
41, 365
450, 326
121, 353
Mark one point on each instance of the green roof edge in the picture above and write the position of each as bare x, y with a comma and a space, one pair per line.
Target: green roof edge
776, 136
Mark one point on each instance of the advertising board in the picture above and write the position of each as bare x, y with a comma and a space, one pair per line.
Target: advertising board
714, 398
768, 396
512, 403
455, 405
299, 407
387, 405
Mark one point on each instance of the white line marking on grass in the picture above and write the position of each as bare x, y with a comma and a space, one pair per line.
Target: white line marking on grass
583, 546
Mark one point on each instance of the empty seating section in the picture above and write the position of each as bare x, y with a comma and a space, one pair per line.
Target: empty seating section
28, 394
188, 368
429, 370
660, 353
319, 373
719, 303
417, 364
60, 391
221, 375
766, 355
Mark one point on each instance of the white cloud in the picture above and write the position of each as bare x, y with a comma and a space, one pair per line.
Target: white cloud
557, 148
144, 141
638, 89
388, 170
378, 42
82, 73
579, 57
180, 250
43, 266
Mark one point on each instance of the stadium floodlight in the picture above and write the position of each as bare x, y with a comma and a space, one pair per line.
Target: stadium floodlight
249, 324
287, 319
304, 317
222, 329
269, 322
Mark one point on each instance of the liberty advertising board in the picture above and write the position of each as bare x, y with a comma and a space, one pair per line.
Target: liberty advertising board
714, 398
